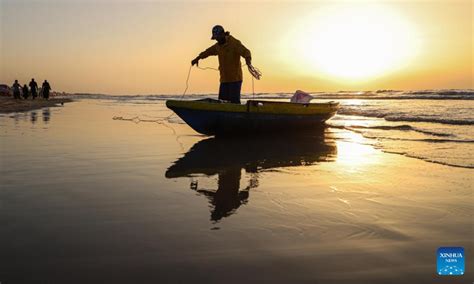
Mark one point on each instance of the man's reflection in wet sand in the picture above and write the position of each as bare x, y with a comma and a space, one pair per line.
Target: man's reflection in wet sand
226, 157
228, 196
46, 115
33, 117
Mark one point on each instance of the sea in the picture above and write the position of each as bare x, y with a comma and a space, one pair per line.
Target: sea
432, 125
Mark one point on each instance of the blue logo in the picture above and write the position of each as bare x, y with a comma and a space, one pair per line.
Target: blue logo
450, 261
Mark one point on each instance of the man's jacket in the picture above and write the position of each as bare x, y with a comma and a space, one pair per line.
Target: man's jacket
229, 58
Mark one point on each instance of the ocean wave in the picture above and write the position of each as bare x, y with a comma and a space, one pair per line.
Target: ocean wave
364, 95
402, 117
428, 119
469, 96
430, 140
431, 160
404, 127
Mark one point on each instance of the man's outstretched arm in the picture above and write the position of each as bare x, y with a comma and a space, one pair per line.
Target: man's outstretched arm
206, 53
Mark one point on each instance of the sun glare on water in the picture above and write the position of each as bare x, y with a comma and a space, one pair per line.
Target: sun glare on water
355, 42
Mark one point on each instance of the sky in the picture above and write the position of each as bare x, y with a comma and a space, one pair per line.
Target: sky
145, 47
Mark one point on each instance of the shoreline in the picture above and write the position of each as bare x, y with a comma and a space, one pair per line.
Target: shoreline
10, 105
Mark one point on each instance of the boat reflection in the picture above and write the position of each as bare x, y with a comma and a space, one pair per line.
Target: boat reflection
226, 157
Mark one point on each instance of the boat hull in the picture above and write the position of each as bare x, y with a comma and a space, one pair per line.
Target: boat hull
211, 118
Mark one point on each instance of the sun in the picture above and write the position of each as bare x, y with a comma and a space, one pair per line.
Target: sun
356, 42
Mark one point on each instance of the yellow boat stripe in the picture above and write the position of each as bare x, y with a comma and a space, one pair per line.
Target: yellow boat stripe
267, 107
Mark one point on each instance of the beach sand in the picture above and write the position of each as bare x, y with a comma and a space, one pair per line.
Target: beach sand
9, 105
87, 198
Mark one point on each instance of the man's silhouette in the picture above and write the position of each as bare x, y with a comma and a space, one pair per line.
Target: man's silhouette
25, 92
16, 90
45, 89
229, 50
33, 89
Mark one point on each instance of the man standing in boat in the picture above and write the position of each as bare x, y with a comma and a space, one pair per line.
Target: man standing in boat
229, 50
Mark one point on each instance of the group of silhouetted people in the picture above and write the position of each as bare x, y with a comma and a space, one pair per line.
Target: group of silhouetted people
25, 92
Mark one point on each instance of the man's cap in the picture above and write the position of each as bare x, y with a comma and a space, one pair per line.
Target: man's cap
216, 31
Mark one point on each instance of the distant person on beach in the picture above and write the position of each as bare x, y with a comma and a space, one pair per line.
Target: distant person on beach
229, 50
34, 89
16, 90
45, 89
26, 92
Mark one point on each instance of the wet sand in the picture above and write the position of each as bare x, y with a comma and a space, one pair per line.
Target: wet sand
89, 199
9, 105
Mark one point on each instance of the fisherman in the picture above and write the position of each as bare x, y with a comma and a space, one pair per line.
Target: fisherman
33, 88
45, 89
16, 90
25, 92
229, 50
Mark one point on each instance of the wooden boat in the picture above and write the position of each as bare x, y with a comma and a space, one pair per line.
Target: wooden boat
214, 117
257, 154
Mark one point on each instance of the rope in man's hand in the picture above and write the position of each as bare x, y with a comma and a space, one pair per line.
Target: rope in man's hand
257, 74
